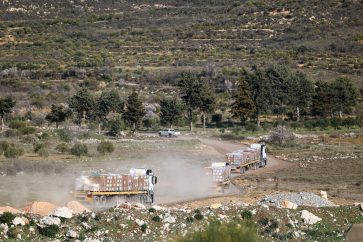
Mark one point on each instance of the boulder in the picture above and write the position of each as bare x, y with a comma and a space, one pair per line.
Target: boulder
77, 207
355, 233
324, 195
139, 222
62, 212
215, 206
47, 220
309, 218
72, 234
289, 205
169, 219
20, 221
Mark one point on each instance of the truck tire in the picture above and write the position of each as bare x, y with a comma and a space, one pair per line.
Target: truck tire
242, 170
103, 200
170, 135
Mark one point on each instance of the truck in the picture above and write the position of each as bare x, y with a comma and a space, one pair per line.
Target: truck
100, 188
169, 133
220, 173
253, 157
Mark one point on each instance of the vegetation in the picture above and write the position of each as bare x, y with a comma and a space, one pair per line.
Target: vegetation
49, 231
134, 111
171, 110
216, 231
7, 218
105, 147
6, 106
79, 149
58, 114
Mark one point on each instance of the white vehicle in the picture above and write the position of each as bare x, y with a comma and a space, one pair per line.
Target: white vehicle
169, 133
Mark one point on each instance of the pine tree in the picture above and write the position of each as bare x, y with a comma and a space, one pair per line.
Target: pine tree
82, 103
58, 114
242, 106
322, 100
6, 106
171, 110
134, 111
344, 95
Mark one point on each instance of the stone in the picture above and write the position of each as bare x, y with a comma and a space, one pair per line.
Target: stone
62, 212
265, 206
19, 221
139, 222
289, 205
355, 233
169, 219
215, 206
309, 218
71, 234
85, 225
140, 206
324, 195
47, 220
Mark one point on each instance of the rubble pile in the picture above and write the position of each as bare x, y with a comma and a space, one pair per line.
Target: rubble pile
300, 199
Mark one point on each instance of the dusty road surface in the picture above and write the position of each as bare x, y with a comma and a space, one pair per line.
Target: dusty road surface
178, 163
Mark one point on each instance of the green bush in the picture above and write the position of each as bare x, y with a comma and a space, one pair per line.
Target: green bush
62, 148
17, 124
7, 218
27, 130
64, 135
105, 147
49, 231
349, 122
251, 127
217, 118
323, 123
4, 145
13, 232
336, 123
246, 214
216, 231
79, 149
13, 152
143, 228
190, 219
115, 127
198, 216
43, 152
11, 133
152, 210
156, 218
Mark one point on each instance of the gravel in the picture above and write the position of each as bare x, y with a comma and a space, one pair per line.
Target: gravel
301, 199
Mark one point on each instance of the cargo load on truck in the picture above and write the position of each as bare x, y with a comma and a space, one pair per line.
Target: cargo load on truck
244, 159
99, 187
220, 173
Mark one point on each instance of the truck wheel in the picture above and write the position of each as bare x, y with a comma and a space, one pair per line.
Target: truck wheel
256, 166
170, 135
242, 170
159, 134
96, 200
103, 200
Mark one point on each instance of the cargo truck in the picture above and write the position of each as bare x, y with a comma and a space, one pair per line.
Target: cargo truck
99, 188
253, 157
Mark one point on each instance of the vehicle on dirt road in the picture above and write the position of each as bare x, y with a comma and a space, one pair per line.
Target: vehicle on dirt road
169, 133
101, 188
253, 157
221, 174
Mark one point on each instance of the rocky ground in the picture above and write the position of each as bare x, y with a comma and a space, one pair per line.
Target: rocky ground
286, 221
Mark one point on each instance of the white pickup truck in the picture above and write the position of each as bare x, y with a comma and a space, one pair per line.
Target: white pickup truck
169, 133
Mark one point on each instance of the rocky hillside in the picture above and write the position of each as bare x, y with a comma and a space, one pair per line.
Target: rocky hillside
273, 217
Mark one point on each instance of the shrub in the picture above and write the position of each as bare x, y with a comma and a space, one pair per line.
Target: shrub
79, 149
4, 145
64, 135
349, 122
13, 152
217, 118
252, 127
156, 218
27, 130
38, 146
17, 124
11, 133
115, 127
105, 147
62, 148
13, 232
280, 135
49, 231
43, 152
323, 123
336, 123
246, 214
217, 231
152, 210
198, 216
190, 219
143, 228
7, 218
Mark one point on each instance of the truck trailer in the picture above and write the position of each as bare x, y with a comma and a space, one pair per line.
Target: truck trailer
253, 157
99, 188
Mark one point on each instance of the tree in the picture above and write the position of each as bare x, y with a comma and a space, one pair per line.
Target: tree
322, 100
260, 88
171, 110
109, 101
207, 102
242, 106
302, 91
191, 93
58, 114
134, 112
6, 106
280, 78
344, 95
82, 103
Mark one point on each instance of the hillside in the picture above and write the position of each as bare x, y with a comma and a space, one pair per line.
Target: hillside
147, 42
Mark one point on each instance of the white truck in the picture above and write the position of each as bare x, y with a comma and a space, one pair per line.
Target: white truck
98, 188
169, 133
244, 159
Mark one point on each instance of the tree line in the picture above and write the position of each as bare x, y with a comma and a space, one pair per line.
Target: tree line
274, 90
